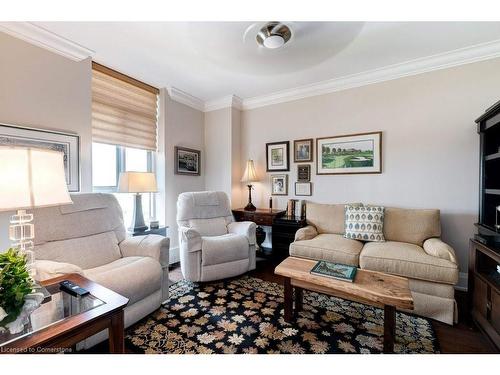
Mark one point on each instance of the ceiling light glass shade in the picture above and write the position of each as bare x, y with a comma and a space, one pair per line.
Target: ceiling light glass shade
249, 175
274, 41
137, 182
31, 178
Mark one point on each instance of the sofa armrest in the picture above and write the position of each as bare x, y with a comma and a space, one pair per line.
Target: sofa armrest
439, 249
306, 233
48, 269
151, 245
190, 239
245, 228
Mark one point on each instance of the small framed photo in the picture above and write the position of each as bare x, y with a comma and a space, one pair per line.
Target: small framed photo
279, 184
278, 156
303, 150
304, 172
303, 188
187, 161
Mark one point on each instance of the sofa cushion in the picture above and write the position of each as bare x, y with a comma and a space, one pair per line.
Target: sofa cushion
329, 247
364, 223
223, 249
132, 277
85, 252
215, 226
408, 260
411, 225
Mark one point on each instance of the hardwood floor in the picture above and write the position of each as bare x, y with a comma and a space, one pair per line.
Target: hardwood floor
463, 337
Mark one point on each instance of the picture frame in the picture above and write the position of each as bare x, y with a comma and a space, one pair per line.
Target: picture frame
279, 184
278, 156
303, 150
303, 172
67, 143
349, 154
303, 188
187, 161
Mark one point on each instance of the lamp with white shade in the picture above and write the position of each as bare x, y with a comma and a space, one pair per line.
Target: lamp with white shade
30, 178
249, 176
137, 182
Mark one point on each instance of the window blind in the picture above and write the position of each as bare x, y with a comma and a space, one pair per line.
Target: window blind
124, 110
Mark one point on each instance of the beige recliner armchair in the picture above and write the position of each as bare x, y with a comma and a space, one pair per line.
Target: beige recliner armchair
89, 238
212, 245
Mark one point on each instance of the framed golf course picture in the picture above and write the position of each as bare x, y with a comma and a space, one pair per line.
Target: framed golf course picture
349, 154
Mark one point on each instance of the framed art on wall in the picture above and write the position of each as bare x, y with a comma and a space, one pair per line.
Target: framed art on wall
303, 188
304, 172
279, 184
349, 154
303, 150
68, 144
187, 161
278, 156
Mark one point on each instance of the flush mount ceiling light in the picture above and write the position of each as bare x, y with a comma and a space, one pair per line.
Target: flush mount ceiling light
274, 35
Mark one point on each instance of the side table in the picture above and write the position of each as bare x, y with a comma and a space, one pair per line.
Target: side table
283, 233
162, 231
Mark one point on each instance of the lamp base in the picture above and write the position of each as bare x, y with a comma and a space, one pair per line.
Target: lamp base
250, 207
137, 224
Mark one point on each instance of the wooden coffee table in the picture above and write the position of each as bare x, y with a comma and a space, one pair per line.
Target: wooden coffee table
65, 320
369, 287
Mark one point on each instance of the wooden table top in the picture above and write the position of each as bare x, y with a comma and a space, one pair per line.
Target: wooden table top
370, 287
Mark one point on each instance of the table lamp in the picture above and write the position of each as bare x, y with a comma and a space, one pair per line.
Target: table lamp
30, 178
249, 176
137, 182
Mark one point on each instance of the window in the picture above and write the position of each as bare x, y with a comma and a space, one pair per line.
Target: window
107, 163
124, 134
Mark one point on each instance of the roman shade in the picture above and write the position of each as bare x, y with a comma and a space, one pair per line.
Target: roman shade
124, 110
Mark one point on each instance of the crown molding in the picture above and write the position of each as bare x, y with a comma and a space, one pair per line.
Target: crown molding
480, 52
41, 37
230, 101
185, 98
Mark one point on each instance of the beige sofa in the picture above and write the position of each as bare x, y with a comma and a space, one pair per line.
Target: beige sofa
89, 238
412, 249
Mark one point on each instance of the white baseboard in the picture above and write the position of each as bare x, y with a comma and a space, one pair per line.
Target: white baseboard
174, 255
462, 281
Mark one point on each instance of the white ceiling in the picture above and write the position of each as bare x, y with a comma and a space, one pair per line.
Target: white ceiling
210, 60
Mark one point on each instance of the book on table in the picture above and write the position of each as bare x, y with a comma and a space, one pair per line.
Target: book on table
336, 271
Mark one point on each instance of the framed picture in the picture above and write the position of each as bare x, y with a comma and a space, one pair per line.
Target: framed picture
349, 154
278, 156
279, 184
68, 144
303, 188
187, 161
303, 150
304, 172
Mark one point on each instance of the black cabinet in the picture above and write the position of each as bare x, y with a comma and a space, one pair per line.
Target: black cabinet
283, 234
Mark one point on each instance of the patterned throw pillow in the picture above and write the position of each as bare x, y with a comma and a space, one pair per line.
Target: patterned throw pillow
365, 223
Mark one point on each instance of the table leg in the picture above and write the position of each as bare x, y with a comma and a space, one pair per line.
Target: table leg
389, 328
288, 300
116, 334
299, 297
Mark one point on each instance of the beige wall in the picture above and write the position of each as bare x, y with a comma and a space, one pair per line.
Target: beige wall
44, 90
183, 127
430, 144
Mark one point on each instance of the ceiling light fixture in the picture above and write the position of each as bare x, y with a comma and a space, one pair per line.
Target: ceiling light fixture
274, 35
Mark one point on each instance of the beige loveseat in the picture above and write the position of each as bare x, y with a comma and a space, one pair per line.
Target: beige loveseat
88, 237
412, 249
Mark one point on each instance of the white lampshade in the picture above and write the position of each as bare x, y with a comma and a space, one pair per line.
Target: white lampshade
137, 182
250, 175
31, 177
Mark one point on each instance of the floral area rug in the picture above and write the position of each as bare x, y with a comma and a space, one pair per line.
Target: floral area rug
245, 315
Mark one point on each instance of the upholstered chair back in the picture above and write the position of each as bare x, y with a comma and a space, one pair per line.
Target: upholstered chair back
209, 212
85, 233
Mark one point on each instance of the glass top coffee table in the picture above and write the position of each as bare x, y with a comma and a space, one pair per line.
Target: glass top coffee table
64, 320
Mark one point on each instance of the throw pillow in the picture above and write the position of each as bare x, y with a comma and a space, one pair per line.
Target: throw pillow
365, 223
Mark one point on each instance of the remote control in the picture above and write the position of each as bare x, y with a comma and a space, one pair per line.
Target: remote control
73, 289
